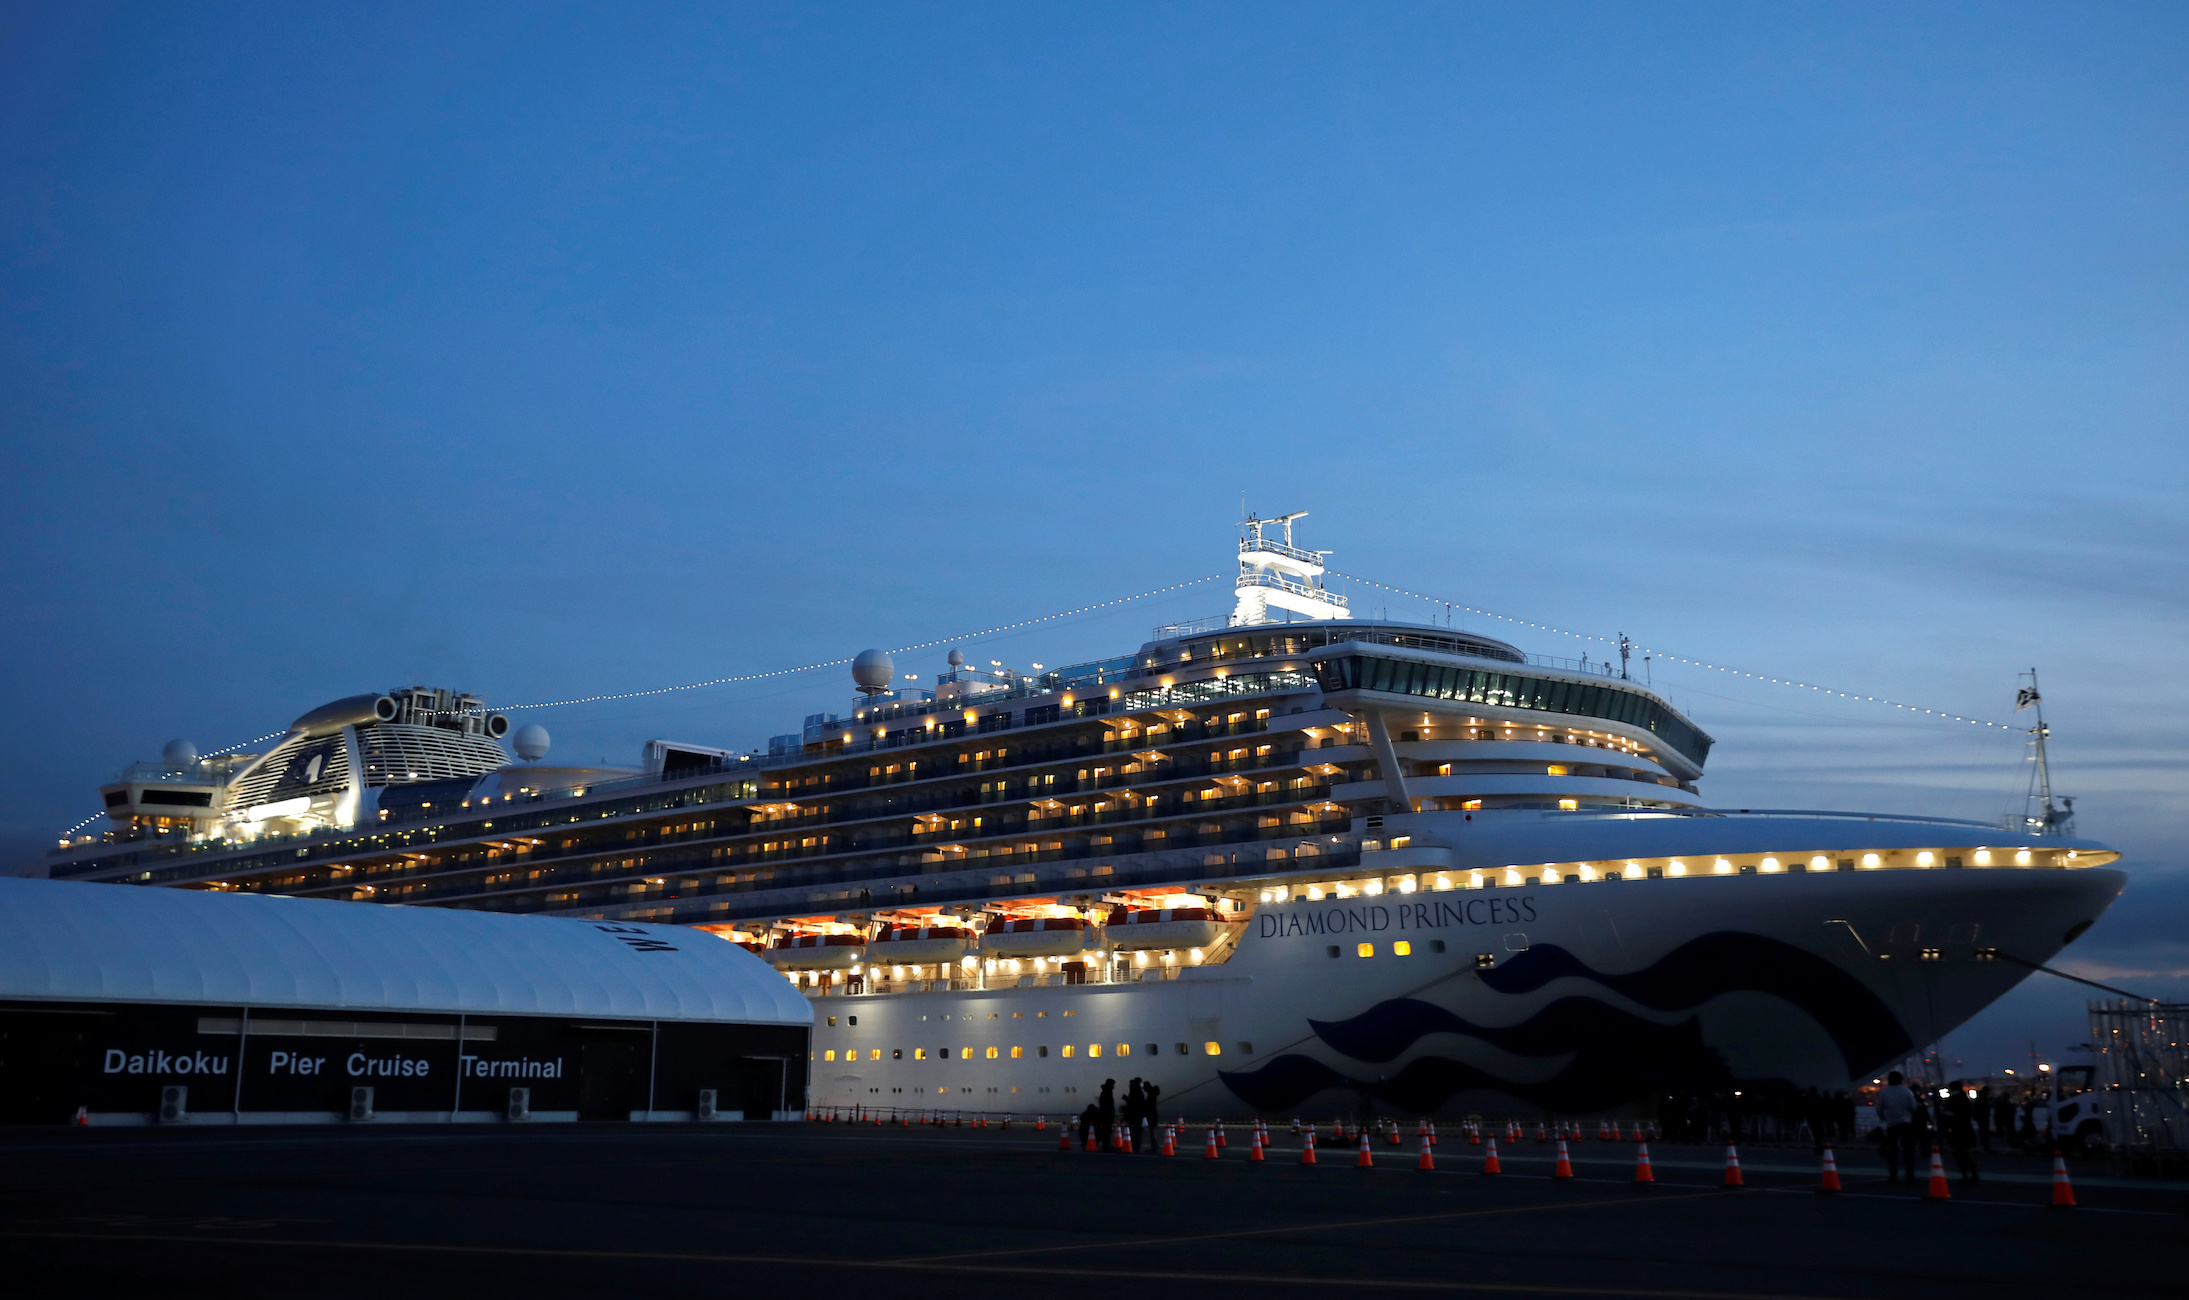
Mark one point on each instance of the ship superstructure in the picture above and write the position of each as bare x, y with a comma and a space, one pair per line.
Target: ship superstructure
1290, 853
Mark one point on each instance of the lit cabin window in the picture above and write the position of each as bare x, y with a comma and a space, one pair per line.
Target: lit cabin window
1213, 1049
1068, 1050
1094, 1049
993, 1053
1017, 1052
1365, 950
1124, 1049
1402, 949
1559, 769
1569, 805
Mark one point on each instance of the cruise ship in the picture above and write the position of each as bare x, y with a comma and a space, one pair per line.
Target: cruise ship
1289, 860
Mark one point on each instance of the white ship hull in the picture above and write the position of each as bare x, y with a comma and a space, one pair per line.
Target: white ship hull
1599, 993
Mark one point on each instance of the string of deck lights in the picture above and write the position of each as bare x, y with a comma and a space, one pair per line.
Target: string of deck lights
1681, 659
754, 677
837, 663
1159, 591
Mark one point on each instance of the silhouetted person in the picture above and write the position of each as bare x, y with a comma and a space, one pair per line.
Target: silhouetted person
1134, 1111
1154, 1096
1959, 1121
1106, 1106
1896, 1118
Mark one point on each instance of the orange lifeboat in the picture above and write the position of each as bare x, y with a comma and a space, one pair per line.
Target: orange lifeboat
1035, 936
923, 946
816, 951
1166, 927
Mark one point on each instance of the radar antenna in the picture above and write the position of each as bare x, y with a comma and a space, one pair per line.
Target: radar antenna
2050, 818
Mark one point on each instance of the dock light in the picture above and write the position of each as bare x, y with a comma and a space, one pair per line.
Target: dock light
1722, 867
1406, 885
1677, 868
1512, 876
1819, 863
970, 961
1445, 882
1634, 871
1314, 893
1870, 859
1372, 888
1924, 858
1770, 864
1280, 894
2021, 857
1983, 857
1194, 953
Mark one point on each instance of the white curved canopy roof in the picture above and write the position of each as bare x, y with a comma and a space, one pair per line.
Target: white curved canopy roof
71, 941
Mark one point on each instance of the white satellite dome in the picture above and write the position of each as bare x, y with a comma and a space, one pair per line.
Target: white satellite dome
956, 657
872, 671
530, 742
179, 756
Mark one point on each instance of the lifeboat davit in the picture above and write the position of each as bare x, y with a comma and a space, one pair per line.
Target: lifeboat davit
816, 951
1035, 936
920, 947
1168, 927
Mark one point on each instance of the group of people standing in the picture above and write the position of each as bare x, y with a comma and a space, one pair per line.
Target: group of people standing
1103, 1116
1957, 1118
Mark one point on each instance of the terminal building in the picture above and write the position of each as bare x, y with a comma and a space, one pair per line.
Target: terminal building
142, 1006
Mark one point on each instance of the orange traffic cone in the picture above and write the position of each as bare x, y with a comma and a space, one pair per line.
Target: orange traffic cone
1391, 1133
1732, 1167
83, 1120
1064, 1138
1219, 1131
1831, 1174
1432, 1132
1938, 1191
1170, 1140
1642, 1172
1565, 1166
1367, 1158
1542, 1134
1427, 1161
1041, 1123
1307, 1153
1254, 1151
1603, 1131
1489, 1159
1091, 1144
2063, 1192
1474, 1133
1210, 1154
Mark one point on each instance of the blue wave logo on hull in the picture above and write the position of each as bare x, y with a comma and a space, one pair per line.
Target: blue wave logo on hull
1616, 1055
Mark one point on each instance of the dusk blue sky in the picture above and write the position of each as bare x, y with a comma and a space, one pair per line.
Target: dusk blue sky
542, 351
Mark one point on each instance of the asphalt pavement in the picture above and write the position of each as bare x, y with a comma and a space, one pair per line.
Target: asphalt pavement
844, 1209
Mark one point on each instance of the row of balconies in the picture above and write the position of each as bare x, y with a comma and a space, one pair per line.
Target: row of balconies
591, 891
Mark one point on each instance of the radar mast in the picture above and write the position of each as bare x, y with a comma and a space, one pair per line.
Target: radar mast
1276, 575
2050, 818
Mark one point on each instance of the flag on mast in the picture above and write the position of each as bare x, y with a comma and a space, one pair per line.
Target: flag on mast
2025, 697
